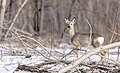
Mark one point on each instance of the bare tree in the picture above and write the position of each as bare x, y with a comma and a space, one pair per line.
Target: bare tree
3, 8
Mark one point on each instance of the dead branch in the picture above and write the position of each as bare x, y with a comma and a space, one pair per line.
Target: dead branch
19, 10
30, 68
113, 31
90, 32
87, 55
39, 43
17, 30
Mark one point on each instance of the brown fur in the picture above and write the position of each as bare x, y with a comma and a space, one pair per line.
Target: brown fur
82, 39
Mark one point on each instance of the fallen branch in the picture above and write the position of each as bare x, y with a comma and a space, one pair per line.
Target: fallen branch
30, 69
87, 55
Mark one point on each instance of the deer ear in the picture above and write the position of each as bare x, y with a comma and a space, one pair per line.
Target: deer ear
73, 20
66, 20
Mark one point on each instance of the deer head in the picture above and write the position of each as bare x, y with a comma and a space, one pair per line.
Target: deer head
70, 26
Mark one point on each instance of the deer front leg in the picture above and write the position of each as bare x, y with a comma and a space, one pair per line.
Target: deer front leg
78, 51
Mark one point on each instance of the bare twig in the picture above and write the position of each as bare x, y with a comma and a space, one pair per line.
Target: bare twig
18, 12
18, 30
113, 31
111, 40
39, 44
67, 54
1, 54
41, 16
90, 32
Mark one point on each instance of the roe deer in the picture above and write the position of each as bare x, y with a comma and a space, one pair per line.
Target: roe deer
83, 39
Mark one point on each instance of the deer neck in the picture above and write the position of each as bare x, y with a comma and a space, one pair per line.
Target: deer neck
72, 32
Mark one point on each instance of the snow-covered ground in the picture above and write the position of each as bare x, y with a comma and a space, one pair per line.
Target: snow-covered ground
9, 63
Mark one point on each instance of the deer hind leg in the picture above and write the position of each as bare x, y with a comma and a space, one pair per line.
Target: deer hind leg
102, 54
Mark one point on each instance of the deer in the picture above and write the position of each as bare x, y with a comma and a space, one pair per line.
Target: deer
79, 39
